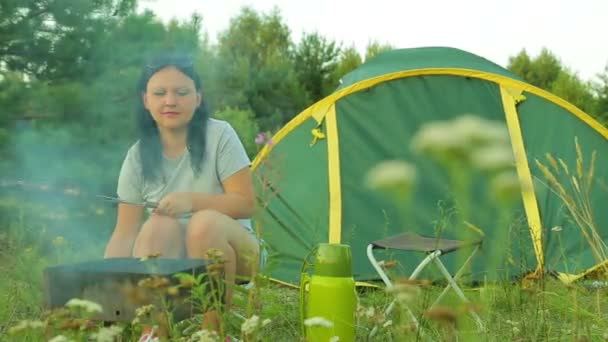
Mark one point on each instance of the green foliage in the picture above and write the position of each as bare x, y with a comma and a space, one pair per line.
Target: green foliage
54, 39
65, 101
374, 48
245, 125
349, 60
64, 127
541, 71
602, 93
13, 94
547, 72
316, 62
255, 37
255, 69
571, 88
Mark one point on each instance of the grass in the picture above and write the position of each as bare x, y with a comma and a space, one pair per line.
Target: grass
545, 311
574, 192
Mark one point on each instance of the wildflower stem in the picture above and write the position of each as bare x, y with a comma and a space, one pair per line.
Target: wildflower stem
460, 184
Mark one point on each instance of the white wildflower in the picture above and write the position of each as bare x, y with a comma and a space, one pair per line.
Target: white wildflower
107, 334
204, 336
403, 287
438, 139
318, 322
454, 139
476, 130
391, 174
468, 125
387, 323
516, 330
505, 186
266, 322
369, 312
404, 297
250, 325
493, 158
404, 293
87, 305
26, 325
334, 339
60, 338
497, 133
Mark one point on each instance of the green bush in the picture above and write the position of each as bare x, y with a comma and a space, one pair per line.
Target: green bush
245, 125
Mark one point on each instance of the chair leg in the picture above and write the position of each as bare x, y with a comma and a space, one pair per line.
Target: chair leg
376, 265
458, 291
432, 257
389, 284
423, 264
456, 276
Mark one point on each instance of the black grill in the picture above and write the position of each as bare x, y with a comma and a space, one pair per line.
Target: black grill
112, 282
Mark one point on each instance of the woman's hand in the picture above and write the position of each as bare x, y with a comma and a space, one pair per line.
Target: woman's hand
175, 204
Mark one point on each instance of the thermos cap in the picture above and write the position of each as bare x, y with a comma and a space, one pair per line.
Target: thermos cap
333, 260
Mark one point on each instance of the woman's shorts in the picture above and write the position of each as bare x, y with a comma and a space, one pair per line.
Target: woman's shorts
263, 250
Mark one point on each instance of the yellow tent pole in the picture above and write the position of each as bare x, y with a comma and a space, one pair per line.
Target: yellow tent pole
510, 97
335, 184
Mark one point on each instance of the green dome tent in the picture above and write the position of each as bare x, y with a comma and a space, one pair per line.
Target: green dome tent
311, 178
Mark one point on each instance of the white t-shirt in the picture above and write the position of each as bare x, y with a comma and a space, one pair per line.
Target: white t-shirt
224, 155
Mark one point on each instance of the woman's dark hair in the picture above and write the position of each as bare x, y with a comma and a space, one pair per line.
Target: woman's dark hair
150, 147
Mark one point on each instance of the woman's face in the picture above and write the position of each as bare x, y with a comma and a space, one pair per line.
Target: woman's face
171, 98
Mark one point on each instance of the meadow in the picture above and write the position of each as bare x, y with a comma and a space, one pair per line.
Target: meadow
545, 310
44, 230
540, 310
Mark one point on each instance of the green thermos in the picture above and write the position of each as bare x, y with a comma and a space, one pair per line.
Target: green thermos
328, 298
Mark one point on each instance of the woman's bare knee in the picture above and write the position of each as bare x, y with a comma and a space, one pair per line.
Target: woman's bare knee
203, 219
212, 230
204, 232
159, 235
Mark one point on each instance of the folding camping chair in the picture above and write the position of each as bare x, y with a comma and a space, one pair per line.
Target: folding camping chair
434, 248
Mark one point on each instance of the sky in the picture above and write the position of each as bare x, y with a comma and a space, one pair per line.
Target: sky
575, 31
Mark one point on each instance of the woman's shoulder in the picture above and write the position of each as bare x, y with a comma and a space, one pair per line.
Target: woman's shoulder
214, 124
133, 151
217, 129
134, 148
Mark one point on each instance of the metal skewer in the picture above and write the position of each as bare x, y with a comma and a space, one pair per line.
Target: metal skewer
145, 204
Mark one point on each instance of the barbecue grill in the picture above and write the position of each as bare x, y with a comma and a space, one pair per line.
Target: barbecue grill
113, 283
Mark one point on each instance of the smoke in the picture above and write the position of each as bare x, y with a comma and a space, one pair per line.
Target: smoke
53, 180
70, 128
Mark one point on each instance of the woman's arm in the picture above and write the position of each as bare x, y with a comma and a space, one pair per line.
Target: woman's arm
237, 201
128, 221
